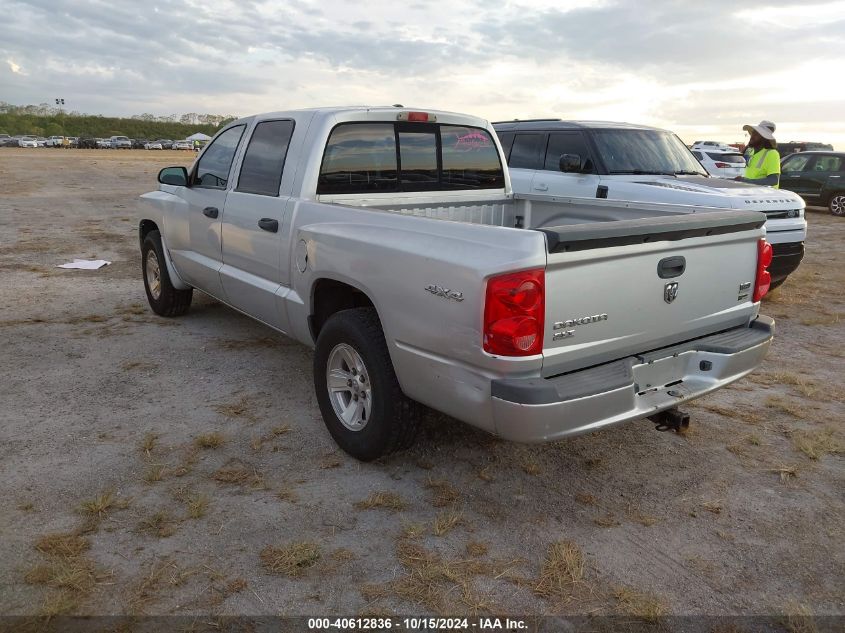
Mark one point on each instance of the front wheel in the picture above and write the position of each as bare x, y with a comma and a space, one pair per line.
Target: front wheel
837, 204
164, 299
360, 399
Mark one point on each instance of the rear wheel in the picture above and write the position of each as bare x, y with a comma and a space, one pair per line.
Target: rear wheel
360, 399
164, 299
837, 204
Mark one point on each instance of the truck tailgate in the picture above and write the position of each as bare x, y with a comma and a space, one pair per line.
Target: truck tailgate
628, 287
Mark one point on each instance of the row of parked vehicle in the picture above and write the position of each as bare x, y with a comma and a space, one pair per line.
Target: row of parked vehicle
113, 142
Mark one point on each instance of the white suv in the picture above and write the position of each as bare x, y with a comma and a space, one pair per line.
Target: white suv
722, 164
599, 159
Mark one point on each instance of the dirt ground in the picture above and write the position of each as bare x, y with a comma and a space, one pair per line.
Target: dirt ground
154, 466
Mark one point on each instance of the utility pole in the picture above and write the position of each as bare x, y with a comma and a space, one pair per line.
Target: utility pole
61, 102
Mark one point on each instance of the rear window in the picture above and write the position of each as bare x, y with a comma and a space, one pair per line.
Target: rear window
392, 157
727, 158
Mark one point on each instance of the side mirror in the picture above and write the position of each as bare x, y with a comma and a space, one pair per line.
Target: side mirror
570, 163
173, 176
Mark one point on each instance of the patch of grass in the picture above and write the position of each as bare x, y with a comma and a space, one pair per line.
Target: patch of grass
639, 604
102, 505
446, 521
744, 414
753, 439
382, 499
787, 405
148, 444
486, 473
160, 524
786, 472
343, 554
477, 548
241, 475
60, 603
290, 560
815, 444
562, 568
26, 506
638, 516
330, 461
712, 506
243, 408
163, 575
530, 466
236, 585
412, 530
606, 521
799, 619
155, 473
586, 498
287, 493
445, 494
197, 506
66, 545
210, 440
280, 430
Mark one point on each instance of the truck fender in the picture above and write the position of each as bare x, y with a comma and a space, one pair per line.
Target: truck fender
175, 279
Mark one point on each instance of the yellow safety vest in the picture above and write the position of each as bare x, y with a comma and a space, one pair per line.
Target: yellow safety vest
763, 163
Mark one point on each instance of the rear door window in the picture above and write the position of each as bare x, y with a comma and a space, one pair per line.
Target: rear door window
528, 151
360, 158
213, 168
470, 159
796, 162
561, 143
264, 160
827, 163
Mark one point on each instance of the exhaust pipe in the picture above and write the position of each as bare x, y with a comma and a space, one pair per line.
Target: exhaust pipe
671, 420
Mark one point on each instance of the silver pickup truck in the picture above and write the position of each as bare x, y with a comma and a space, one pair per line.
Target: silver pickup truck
389, 240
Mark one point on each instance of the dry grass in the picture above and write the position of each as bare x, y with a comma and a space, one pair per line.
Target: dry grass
287, 493
66, 568
210, 440
101, 506
26, 506
62, 545
476, 548
412, 531
280, 430
445, 494
137, 365
742, 413
163, 576
530, 466
799, 619
805, 386
787, 405
197, 506
240, 474
606, 521
815, 444
382, 499
562, 568
155, 473
290, 560
243, 408
638, 516
486, 473
330, 461
586, 498
60, 603
446, 521
712, 506
786, 472
639, 604
148, 444
160, 524
250, 343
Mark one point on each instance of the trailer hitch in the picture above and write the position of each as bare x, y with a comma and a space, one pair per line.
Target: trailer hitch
671, 420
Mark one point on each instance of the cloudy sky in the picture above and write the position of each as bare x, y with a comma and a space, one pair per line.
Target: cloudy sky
702, 69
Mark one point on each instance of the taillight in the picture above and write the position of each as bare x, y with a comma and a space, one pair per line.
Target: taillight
723, 165
417, 117
514, 312
763, 279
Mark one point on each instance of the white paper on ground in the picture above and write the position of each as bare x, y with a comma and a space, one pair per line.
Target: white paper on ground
86, 264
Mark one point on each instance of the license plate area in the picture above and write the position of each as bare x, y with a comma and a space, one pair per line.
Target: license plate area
659, 374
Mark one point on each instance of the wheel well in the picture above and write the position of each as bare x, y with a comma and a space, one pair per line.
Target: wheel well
332, 296
144, 229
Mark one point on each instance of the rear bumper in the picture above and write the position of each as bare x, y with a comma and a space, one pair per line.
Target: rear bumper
547, 409
785, 259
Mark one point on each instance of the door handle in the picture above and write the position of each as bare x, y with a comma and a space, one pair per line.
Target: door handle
211, 212
541, 187
268, 225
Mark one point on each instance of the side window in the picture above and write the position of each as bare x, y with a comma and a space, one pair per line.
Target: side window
470, 159
213, 167
697, 155
827, 163
359, 158
261, 169
796, 162
527, 151
561, 143
506, 139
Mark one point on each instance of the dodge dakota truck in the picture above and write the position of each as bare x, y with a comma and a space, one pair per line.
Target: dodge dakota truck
389, 240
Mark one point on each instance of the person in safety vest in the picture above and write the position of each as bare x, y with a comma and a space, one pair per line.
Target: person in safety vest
762, 158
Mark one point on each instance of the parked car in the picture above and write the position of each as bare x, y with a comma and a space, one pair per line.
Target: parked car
139, 143
42, 141
785, 149
103, 143
10, 141
55, 141
152, 145
621, 161
721, 164
428, 281
165, 143
818, 177
713, 146
182, 145
120, 142
27, 141
87, 142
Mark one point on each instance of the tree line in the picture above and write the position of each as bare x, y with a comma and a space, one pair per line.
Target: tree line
46, 120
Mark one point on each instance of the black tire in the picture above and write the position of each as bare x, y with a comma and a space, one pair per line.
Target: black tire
836, 204
169, 301
393, 418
